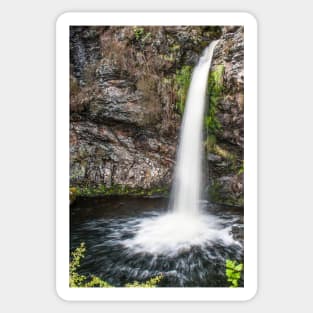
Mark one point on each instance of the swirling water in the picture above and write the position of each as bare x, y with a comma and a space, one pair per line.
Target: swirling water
187, 242
109, 227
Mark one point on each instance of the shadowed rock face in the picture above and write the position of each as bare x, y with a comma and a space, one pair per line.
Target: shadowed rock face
226, 161
124, 121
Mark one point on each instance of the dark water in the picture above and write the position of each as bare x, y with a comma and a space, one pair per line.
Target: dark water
105, 223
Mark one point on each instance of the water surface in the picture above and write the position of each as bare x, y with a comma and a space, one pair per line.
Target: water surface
110, 226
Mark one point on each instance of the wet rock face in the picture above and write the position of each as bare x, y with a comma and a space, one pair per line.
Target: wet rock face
84, 49
124, 118
117, 155
226, 159
229, 52
124, 122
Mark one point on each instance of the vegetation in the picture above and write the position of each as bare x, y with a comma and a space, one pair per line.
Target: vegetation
118, 190
140, 35
215, 90
151, 283
217, 194
73, 194
215, 191
241, 169
182, 82
81, 281
138, 32
229, 157
233, 272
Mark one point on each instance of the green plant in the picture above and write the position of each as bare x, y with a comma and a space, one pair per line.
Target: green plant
182, 82
151, 283
73, 193
215, 90
233, 272
81, 281
138, 32
210, 142
146, 37
77, 280
103, 190
241, 169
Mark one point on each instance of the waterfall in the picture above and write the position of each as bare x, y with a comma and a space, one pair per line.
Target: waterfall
186, 192
184, 225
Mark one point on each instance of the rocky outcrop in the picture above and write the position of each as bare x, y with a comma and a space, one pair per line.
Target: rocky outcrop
227, 141
124, 119
119, 155
127, 88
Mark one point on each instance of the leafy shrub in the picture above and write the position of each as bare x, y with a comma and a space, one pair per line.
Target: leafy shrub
233, 272
77, 280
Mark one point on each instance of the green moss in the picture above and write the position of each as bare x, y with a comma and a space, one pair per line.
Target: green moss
241, 169
141, 36
138, 32
151, 283
210, 142
215, 89
120, 190
215, 192
175, 48
182, 82
225, 154
217, 195
73, 194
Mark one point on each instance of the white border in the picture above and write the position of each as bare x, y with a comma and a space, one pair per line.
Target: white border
62, 156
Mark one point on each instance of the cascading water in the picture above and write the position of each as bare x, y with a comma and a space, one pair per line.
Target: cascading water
187, 183
184, 225
187, 245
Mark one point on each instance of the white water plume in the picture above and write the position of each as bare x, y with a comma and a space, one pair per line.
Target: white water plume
174, 233
187, 181
185, 225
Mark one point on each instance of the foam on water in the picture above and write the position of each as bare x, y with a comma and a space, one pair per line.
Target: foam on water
185, 250
187, 245
174, 233
185, 225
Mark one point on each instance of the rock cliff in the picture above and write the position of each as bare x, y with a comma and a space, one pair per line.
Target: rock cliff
127, 91
226, 140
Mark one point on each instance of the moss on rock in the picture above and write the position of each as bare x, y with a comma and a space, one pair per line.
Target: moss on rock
215, 89
119, 190
221, 192
182, 82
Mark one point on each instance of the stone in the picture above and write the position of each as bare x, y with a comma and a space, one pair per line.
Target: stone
124, 125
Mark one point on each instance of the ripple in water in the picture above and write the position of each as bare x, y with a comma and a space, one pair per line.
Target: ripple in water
186, 246
186, 250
